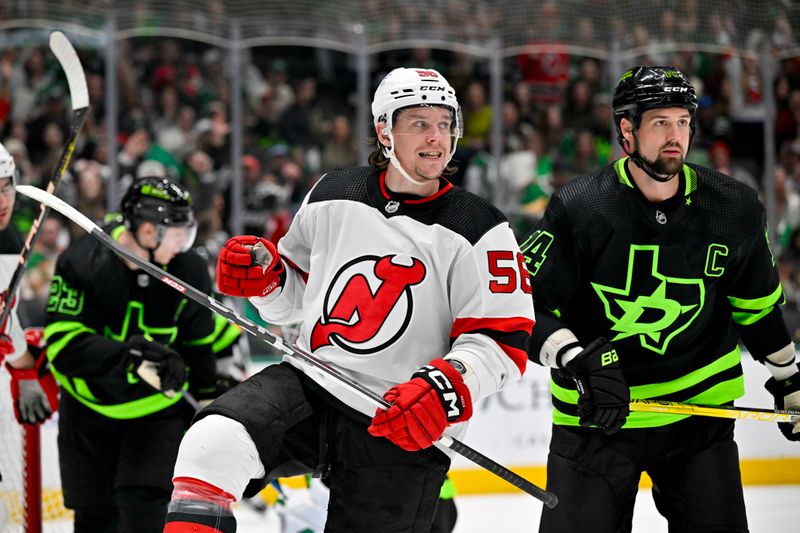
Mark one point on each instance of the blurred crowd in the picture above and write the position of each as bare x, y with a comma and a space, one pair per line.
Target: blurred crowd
298, 122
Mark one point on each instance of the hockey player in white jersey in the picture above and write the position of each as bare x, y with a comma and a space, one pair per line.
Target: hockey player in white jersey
403, 282
32, 387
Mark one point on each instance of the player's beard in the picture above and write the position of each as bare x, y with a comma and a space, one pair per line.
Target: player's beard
666, 166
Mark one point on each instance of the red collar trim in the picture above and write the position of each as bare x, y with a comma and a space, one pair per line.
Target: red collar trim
434, 196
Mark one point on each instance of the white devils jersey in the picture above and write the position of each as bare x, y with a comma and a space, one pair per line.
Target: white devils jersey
8, 263
383, 283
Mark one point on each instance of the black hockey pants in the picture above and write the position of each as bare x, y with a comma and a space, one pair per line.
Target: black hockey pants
299, 428
694, 465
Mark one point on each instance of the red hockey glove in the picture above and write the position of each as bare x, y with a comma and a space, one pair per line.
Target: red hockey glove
249, 266
34, 390
787, 396
6, 346
423, 407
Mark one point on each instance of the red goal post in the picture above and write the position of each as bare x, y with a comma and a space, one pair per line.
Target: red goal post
30, 489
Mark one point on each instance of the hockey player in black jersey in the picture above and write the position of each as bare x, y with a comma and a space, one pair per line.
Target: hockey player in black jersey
646, 275
124, 348
403, 282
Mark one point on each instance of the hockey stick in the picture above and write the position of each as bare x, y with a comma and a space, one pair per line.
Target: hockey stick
79, 94
548, 498
718, 411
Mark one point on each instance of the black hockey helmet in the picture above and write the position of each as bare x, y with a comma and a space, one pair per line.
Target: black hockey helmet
160, 201
643, 88
157, 200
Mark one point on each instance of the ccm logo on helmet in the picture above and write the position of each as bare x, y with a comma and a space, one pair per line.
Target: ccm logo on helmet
675, 89
431, 88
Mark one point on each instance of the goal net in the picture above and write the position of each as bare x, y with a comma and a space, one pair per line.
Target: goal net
30, 488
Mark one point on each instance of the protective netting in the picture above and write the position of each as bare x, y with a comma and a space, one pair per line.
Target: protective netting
13, 506
585, 27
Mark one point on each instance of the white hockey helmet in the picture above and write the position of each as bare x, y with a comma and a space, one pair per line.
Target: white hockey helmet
7, 167
411, 87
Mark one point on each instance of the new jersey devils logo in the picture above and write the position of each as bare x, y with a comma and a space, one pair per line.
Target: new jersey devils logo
368, 304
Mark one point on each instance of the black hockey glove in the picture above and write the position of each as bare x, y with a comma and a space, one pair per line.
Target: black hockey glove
787, 396
158, 365
603, 393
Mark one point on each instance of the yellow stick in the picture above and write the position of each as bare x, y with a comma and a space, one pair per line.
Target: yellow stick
719, 411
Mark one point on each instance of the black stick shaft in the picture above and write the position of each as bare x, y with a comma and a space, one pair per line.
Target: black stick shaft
33, 233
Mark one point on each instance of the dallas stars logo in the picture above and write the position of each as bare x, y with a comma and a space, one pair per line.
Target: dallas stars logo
661, 306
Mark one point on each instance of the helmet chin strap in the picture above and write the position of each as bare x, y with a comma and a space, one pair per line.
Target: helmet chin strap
151, 252
645, 166
388, 152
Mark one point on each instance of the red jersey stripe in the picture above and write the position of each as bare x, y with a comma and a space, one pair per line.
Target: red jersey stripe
505, 324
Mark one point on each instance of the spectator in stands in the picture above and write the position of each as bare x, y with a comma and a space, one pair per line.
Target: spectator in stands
578, 111
180, 138
281, 94
53, 239
477, 117
167, 109
91, 195
585, 157
340, 150
720, 158
214, 134
553, 130
746, 102
262, 197
301, 125
129, 157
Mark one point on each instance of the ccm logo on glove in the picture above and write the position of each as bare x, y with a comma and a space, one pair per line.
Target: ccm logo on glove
453, 405
249, 266
422, 407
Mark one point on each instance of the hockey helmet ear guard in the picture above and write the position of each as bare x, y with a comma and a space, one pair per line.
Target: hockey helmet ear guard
643, 88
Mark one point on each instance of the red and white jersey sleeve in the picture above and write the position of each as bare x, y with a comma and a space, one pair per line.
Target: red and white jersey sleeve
8, 263
384, 284
492, 311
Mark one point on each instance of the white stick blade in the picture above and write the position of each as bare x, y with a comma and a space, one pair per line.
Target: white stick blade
53, 202
71, 65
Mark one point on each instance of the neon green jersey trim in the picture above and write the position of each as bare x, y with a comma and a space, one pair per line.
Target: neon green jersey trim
74, 329
745, 319
717, 394
757, 304
690, 176
448, 491
619, 168
123, 411
229, 335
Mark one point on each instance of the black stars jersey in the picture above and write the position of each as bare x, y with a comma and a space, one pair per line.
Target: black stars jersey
673, 285
383, 283
97, 303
